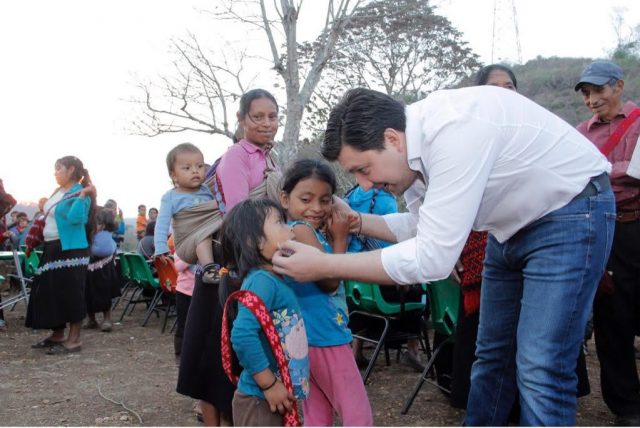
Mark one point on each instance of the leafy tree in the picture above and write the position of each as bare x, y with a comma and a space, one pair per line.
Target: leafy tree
401, 47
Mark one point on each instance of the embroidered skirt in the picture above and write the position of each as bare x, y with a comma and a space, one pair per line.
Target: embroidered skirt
57, 292
103, 284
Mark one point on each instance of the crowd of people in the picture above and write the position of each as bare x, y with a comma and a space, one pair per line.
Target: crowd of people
536, 219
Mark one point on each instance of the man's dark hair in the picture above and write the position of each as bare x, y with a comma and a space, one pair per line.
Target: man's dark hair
483, 75
359, 121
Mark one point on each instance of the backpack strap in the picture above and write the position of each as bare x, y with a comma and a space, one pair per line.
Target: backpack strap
257, 307
617, 135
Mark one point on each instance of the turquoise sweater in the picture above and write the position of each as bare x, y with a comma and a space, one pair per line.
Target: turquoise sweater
71, 217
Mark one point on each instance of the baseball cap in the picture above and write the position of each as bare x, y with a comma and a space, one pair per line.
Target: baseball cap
599, 72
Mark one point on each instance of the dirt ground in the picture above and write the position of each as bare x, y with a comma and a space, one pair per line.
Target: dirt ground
135, 365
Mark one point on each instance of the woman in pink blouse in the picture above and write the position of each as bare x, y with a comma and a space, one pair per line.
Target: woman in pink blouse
245, 170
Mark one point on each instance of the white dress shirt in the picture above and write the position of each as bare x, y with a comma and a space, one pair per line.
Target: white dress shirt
493, 161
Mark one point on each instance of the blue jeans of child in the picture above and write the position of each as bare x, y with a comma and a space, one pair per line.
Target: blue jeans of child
537, 292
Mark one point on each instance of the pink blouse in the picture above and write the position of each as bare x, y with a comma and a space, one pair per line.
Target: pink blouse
240, 170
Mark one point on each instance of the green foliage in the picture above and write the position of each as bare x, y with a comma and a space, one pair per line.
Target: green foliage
550, 83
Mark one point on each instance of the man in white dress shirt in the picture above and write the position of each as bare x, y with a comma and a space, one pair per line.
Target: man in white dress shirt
488, 159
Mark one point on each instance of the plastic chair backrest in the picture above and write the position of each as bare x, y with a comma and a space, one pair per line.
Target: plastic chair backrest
368, 298
139, 270
167, 274
31, 264
124, 267
444, 299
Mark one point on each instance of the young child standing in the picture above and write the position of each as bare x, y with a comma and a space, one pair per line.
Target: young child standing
251, 233
190, 205
335, 383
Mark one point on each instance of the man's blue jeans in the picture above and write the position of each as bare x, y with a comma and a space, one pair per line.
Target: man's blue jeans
537, 292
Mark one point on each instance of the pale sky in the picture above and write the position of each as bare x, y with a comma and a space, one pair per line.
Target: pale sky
68, 64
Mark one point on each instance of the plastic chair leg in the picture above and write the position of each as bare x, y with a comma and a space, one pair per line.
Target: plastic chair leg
423, 377
154, 302
376, 351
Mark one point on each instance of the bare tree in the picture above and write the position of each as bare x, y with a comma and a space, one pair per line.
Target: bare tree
197, 98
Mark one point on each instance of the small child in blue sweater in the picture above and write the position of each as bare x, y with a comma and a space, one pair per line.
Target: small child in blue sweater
191, 204
251, 234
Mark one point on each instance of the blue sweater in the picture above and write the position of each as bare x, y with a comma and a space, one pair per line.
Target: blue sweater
71, 217
251, 345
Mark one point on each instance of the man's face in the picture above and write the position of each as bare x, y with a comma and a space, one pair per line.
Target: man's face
603, 101
386, 169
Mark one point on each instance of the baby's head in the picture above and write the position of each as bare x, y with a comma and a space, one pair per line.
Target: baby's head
185, 163
307, 191
251, 233
105, 220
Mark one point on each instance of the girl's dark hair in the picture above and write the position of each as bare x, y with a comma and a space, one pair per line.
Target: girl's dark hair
241, 236
247, 98
80, 172
179, 149
483, 75
307, 168
106, 218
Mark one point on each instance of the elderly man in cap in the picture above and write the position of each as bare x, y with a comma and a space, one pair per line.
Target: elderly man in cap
614, 129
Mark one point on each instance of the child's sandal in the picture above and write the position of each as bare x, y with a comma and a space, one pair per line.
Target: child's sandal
211, 273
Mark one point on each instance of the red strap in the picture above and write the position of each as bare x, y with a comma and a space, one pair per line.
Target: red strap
257, 307
622, 129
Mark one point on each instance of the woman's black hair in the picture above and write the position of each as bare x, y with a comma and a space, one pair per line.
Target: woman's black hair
241, 237
248, 97
81, 175
483, 75
307, 168
106, 218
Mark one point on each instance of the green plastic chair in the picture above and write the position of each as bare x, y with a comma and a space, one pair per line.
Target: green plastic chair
444, 301
367, 301
140, 275
367, 297
123, 264
31, 264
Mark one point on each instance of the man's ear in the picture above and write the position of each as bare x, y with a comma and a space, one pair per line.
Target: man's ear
619, 86
394, 139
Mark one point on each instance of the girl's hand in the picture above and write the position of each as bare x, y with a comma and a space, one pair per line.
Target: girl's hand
339, 224
162, 257
89, 190
279, 398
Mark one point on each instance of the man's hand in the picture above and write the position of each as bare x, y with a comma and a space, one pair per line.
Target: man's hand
279, 398
301, 262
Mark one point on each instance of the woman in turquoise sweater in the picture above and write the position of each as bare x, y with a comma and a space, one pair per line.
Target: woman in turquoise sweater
57, 293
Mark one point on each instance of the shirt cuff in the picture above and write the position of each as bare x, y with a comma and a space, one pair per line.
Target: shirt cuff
403, 225
400, 262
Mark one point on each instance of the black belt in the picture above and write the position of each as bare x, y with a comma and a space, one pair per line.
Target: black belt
595, 186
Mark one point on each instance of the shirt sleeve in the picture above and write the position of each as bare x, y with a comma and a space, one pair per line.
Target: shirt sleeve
234, 173
459, 161
161, 232
246, 331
